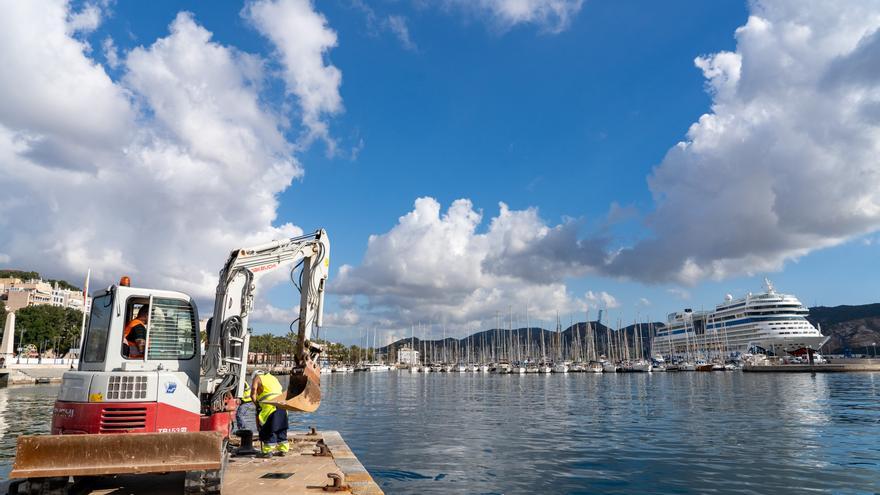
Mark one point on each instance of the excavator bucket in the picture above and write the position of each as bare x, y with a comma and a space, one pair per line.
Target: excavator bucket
46, 456
303, 391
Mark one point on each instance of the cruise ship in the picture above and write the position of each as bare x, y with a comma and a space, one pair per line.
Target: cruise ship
769, 322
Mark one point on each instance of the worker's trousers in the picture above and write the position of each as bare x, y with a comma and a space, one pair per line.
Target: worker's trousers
273, 433
245, 416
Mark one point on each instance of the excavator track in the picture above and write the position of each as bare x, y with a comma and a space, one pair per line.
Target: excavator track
207, 481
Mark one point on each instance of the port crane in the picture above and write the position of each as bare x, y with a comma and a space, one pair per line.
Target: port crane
171, 410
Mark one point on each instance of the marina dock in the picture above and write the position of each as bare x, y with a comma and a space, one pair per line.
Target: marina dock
302, 471
835, 366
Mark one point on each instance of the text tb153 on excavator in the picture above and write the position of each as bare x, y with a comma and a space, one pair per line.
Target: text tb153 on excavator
171, 410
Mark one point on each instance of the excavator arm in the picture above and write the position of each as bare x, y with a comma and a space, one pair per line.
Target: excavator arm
225, 360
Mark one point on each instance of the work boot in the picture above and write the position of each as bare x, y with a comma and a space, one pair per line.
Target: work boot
266, 451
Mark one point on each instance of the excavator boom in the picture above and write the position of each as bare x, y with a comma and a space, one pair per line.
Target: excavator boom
226, 352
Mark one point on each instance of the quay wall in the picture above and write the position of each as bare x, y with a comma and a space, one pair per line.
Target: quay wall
32, 374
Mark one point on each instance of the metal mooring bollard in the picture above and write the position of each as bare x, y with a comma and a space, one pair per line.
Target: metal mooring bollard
322, 449
338, 484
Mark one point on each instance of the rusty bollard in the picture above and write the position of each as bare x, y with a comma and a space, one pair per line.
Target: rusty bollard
321, 449
337, 483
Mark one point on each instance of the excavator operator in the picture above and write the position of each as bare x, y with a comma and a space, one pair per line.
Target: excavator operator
135, 334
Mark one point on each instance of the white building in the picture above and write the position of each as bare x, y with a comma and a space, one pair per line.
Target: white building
407, 355
69, 298
18, 294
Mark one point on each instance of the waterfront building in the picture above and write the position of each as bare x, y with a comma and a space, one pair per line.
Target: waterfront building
17, 294
407, 355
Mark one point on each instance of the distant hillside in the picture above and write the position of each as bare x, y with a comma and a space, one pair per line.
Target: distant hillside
850, 327
24, 275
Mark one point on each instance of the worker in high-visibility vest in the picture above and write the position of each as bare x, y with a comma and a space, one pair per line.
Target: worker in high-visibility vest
135, 334
271, 421
245, 412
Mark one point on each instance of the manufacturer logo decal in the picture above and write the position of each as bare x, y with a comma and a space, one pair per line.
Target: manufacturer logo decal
264, 267
170, 387
64, 412
98, 397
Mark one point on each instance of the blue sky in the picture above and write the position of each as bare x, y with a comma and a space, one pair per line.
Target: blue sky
572, 116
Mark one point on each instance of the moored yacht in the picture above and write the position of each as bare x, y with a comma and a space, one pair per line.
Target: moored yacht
560, 367
594, 367
501, 368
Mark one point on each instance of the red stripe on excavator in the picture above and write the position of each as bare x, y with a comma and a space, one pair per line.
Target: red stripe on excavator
121, 417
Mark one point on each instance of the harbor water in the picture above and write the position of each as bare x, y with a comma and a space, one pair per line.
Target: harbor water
721, 432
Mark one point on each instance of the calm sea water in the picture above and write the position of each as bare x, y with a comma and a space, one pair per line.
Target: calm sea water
582, 433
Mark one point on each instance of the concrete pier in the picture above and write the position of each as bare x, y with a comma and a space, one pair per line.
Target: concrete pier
299, 472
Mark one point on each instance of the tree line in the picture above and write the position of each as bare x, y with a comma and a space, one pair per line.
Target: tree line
47, 327
277, 346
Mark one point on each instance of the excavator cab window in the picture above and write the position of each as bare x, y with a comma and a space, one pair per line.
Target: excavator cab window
132, 306
99, 329
172, 330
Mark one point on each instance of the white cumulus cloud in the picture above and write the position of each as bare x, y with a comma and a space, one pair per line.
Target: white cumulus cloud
303, 41
787, 160
550, 15
111, 54
157, 175
438, 266
784, 163
86, 20
602, 300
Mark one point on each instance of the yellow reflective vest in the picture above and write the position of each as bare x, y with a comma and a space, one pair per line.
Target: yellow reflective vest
271, 390
246, 395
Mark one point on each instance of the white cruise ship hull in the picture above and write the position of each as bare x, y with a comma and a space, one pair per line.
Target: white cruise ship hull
772, 322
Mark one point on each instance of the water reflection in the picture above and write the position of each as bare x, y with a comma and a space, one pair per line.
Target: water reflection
25, 410
584, 433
